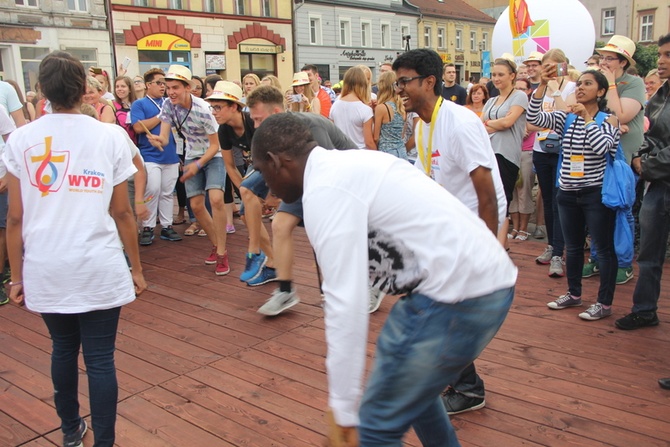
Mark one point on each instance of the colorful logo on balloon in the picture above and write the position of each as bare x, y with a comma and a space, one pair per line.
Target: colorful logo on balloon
536, 38
47, 168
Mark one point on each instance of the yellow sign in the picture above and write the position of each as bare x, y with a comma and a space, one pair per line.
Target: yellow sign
163, 42
263, 49
446, 57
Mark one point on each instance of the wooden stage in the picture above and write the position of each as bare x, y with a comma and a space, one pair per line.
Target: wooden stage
197, 366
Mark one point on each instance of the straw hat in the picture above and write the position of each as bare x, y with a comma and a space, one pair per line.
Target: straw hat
300, 78
507, 56
535, 56
620, 45
226, 91
179, 73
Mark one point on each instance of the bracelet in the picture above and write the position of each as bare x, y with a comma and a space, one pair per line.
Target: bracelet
588, 123
612, 87
17, 283
147, 200
197, 163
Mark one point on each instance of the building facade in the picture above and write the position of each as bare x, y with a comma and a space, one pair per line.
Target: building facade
610, 17
650, 20
460, 33
337, 35
229, 38
31, 29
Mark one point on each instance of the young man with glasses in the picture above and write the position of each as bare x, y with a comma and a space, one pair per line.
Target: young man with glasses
162, 165
534, 66
194, 126
454, 149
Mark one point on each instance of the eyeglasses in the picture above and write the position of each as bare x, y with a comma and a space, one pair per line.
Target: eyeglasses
161, 83
138, 82
402, 82
609, 59
197, 88
216, 108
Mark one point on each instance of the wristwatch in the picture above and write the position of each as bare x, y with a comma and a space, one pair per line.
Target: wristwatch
556, 94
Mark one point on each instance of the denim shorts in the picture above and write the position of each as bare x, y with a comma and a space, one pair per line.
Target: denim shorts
294, 208
254, 182
211, 176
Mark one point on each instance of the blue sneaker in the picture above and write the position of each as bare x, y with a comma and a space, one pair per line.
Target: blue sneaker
253, 266
266, 275
74, 440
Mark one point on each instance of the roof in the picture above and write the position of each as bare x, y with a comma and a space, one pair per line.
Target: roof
452, 9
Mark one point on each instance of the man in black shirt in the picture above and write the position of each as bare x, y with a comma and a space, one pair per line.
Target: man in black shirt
451, 91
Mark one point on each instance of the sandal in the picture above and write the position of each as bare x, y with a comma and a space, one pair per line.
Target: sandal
512, 234
522, 236
202, 233
193, 229
178, 221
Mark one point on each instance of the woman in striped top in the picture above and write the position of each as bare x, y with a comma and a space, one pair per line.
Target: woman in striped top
584, 149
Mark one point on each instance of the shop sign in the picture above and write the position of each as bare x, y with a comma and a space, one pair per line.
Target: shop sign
459, 58
356, 55
260, 49
163, 42
446, 58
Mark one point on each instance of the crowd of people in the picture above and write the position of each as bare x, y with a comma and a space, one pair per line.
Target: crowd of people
540, 128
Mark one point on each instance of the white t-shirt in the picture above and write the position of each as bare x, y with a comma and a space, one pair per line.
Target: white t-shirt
359, 199
68, 166
548, 106
349, 117
6, 127
461, 145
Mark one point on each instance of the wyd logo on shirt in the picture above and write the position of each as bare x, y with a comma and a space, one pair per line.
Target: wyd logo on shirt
46, 168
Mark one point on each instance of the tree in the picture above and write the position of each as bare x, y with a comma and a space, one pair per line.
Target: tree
646, 57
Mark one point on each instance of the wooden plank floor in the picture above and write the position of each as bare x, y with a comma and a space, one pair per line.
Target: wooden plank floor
198, 366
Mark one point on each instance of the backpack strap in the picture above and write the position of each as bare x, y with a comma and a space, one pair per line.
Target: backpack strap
569, 119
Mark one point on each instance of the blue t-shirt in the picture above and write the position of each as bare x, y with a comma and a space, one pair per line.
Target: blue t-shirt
146, 108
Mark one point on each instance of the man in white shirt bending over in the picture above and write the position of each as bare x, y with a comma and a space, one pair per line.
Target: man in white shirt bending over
436, 257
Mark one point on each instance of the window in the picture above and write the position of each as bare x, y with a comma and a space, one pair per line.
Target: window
32, 3
30, 63
144, 3
210, 5
608, 22
647, 27
386, 35
485, 41
240, 7
77, 5
366, 38
404, 30
345, 32
473, 41
441, 32
315, 30
175, 4
260, 64
266, 6
427, 31
459, 39
87, 56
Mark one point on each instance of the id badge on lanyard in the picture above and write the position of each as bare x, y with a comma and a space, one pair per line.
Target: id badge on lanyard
577, 166
179, 141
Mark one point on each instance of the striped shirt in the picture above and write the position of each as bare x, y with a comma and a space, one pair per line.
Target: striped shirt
196, 124
591, 142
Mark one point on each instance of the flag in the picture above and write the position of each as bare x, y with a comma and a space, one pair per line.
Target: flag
519, 18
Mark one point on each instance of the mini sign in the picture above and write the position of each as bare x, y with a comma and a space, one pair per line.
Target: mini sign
163, 42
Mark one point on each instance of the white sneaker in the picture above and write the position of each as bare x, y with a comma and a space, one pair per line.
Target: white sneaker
278, 303
376, 297
545, 257
556, 267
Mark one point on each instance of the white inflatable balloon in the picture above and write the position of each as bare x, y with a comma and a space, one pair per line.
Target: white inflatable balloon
564, 24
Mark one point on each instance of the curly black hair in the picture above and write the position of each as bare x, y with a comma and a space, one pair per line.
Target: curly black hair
425, 62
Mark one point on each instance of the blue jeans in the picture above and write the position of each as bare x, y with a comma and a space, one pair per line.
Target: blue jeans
545, 167
654, 227
579, 209
96, 332
422, 348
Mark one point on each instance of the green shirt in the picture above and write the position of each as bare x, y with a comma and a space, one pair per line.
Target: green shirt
629, 86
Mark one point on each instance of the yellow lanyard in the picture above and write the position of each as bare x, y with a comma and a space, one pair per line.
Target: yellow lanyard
426, 153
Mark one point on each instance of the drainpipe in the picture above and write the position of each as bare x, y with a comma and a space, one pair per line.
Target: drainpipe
110, 29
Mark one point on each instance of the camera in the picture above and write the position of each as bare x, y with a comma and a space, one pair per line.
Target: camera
406, 37
562, 69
